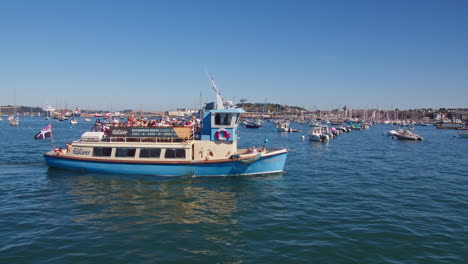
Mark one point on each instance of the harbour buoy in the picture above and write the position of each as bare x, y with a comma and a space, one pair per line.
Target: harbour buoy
303, 137
266, 141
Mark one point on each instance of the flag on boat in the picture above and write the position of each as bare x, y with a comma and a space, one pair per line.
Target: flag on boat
45, 133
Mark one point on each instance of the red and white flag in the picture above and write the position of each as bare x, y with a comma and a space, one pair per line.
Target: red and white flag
45, 133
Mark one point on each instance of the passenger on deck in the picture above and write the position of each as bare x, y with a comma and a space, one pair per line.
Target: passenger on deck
131, 119
209, 156
252, 150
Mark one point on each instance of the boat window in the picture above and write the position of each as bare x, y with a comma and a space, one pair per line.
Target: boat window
223, 119
175, 154
217, 119
150, 152
102, 152
125, 152
236, 118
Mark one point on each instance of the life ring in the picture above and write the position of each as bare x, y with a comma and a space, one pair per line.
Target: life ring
222, 134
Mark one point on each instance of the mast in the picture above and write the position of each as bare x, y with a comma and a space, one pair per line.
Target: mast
219, 100
14, 108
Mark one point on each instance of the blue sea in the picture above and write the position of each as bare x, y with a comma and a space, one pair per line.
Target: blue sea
361, 198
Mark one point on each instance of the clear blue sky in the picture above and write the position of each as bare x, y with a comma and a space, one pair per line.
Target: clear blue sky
315, 54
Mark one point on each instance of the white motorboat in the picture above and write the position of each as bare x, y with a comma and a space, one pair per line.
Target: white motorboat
13, 121
394, 132
408, 135
316, 135
284, 127
315, 124
326, 131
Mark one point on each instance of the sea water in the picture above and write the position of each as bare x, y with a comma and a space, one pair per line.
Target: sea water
361, 198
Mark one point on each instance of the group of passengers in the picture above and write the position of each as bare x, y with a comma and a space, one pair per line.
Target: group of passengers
164, 122
253, 150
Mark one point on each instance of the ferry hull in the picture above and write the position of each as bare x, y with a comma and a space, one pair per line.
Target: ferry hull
267, 164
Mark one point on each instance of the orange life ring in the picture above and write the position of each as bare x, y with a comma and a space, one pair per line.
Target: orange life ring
222, 134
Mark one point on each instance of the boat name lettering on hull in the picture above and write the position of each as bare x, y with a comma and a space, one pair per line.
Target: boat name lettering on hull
79, 151
119, 132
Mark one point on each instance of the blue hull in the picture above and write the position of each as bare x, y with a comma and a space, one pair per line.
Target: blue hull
264, 165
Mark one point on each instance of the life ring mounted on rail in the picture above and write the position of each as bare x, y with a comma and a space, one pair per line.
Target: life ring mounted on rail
222, 134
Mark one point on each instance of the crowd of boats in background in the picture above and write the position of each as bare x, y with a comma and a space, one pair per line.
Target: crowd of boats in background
324, 130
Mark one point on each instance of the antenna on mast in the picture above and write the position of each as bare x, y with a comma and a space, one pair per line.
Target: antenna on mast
219, 100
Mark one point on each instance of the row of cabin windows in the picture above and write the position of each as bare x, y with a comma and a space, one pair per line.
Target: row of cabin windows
176, 153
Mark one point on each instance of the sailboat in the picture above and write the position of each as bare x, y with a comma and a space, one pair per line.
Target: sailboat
13, 119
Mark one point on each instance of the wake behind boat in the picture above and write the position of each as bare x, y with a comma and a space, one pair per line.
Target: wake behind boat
178, 150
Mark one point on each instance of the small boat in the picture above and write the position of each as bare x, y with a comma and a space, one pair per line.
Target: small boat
408, 135
315, 124
327, 131
335, 122
255, 124
284, 127
343, 129
316, 135
394, 132
87, 119
463, 134
14, 121
208, 148
336, 132
73, 121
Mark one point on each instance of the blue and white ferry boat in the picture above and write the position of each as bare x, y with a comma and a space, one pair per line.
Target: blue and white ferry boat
207, 150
